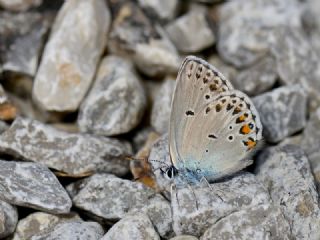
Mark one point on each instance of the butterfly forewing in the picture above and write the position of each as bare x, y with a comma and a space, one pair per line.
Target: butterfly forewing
198, 83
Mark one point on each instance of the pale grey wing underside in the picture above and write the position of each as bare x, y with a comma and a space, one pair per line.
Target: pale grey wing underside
198, 83
221, 135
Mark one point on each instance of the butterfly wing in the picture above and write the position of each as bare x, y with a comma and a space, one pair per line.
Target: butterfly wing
197, 84
221, 135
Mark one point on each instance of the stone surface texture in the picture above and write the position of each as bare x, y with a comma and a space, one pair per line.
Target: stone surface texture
64, 76
133, 35
23, 36
39, 223
8, 219
259, 222
282, 112
285, 171
161, 108
32, 185
73, 154
105, 203
194, 22
73, 230
116, 102
19, 5
137, 226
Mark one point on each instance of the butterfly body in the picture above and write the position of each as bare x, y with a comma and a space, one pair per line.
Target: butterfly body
213, 127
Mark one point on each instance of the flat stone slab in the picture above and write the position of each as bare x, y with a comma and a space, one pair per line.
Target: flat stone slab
285, 171
73, 154
79, 33
137, 226
32, 185
116, 102
110, 197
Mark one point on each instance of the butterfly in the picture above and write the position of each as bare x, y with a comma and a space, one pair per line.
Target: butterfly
213, 127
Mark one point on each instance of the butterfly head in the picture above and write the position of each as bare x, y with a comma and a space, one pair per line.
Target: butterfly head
170, 172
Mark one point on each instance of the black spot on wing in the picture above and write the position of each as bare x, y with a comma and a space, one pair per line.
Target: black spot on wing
189, 113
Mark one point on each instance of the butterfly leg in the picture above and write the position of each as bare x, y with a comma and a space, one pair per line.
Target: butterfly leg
194, 195
212, 190
174, 189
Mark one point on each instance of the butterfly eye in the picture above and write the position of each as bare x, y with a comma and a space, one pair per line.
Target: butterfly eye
171, 172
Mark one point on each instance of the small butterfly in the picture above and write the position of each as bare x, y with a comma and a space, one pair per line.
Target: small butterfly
213, 128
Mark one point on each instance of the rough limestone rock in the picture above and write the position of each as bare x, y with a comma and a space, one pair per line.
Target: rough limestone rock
247, 28
282, 112
285, 171
8, 219
32, 185
310, 143
163, 10
137, 226
134, 35
191, 32
259, 222
19, 5
71, 55
73, 230
196, 209
161, 108
257, 78
39, 222
22, 37
73, 154
99, 195
116, 102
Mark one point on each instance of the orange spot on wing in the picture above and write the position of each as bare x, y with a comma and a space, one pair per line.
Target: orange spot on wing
251, 144
245, 129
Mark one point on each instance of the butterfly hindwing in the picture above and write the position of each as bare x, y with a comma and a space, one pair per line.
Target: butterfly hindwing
221, 135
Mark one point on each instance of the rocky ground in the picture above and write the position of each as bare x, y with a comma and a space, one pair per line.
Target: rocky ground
87, 84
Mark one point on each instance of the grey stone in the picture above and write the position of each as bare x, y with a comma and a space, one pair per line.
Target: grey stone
229, 71
23, 37
159, 212
196, 209
297, 65
312, 23
259, 222
136, 226
73, 231
73, 154
184, 237
191, 32
109, 197
19, 5
163, 10
8, 219
282, 112
32, 185
71, 54
134, 36
3, 126
161, 108
247, 28
310, 143
116, 102
286, 172
39, 223
257, 78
